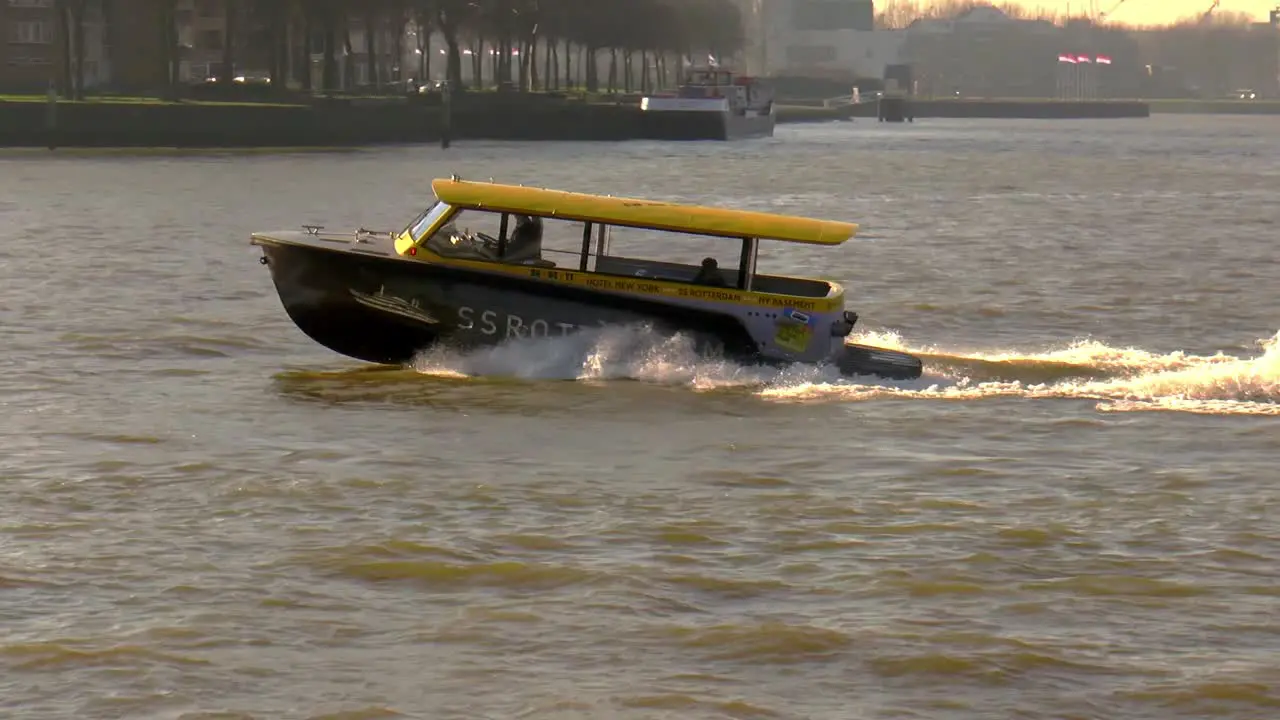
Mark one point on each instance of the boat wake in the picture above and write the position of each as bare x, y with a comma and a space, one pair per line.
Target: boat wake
1118, 379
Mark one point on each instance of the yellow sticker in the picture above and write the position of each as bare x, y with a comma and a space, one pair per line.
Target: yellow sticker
793, 336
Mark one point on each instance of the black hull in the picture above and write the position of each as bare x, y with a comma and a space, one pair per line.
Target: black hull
701, 125
383, 310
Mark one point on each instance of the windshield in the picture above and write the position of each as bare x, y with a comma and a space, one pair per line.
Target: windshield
426, 219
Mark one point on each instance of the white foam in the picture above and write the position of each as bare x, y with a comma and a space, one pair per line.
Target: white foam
1133, 379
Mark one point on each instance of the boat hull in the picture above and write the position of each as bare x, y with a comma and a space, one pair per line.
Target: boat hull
372, 305
387, 311
706, 125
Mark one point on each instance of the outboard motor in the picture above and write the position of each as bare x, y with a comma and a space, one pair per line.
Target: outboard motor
844, 326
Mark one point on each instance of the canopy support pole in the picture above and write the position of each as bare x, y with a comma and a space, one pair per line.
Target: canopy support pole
586, 246
747, 263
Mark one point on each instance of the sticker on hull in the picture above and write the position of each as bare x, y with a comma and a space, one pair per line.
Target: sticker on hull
794, 331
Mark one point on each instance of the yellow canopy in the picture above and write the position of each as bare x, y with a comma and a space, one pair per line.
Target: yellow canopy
640, 213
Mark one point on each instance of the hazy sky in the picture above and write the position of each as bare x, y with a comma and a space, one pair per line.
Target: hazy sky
1154, 11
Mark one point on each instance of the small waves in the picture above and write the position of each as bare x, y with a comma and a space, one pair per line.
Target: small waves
1119, 379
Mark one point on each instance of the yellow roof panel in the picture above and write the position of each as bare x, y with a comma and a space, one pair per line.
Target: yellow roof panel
641, 213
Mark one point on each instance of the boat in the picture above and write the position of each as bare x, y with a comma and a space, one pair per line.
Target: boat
711, 104
479, 267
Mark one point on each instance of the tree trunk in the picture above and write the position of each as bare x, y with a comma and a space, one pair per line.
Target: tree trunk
453, 54
229, 9
421, 39
349, 59
172, 53
64, 81
330, 73
531, 63
613, 70
568, 64
550, 74
279, 34
303, 69
397, 50
498, 67
371, 49
511, 61
77, 25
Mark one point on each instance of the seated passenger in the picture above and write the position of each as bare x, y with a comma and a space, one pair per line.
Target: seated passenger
525, 243
709, 274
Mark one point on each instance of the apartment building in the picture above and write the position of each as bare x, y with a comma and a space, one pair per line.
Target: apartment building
29, 49
123, 48
33, 51
833, 38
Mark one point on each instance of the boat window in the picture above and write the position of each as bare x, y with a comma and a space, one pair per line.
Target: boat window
528, 239
471, 234
675, 247
420, 225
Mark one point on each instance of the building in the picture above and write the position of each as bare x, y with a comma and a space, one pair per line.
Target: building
818, 38
983, 52
124, 43
29, 48
33, 52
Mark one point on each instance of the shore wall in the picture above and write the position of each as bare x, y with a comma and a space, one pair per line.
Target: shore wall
353, 121
1216, 107
814, 111
323, 124
1016, 109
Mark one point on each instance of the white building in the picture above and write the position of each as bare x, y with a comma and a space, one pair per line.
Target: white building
822, 38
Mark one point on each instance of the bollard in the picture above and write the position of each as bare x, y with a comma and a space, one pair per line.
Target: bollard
51, 117
446, 116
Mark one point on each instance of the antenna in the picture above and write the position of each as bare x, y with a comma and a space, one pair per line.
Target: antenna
1205, 17
1103, 16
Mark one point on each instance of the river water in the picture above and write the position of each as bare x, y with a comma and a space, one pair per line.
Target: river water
203, 514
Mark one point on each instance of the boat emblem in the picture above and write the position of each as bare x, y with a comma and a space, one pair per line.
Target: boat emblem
395, 305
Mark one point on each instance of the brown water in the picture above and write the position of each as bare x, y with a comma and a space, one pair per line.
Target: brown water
1072, 515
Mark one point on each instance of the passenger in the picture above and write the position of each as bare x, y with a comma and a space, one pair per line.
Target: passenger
709, 274
526, 240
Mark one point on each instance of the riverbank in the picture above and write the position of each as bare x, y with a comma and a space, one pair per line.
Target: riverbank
980, 108
331, 122
812, 110
29, 121
1216, 107
322, 122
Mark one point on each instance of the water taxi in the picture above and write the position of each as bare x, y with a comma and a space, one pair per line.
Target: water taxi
480, 267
